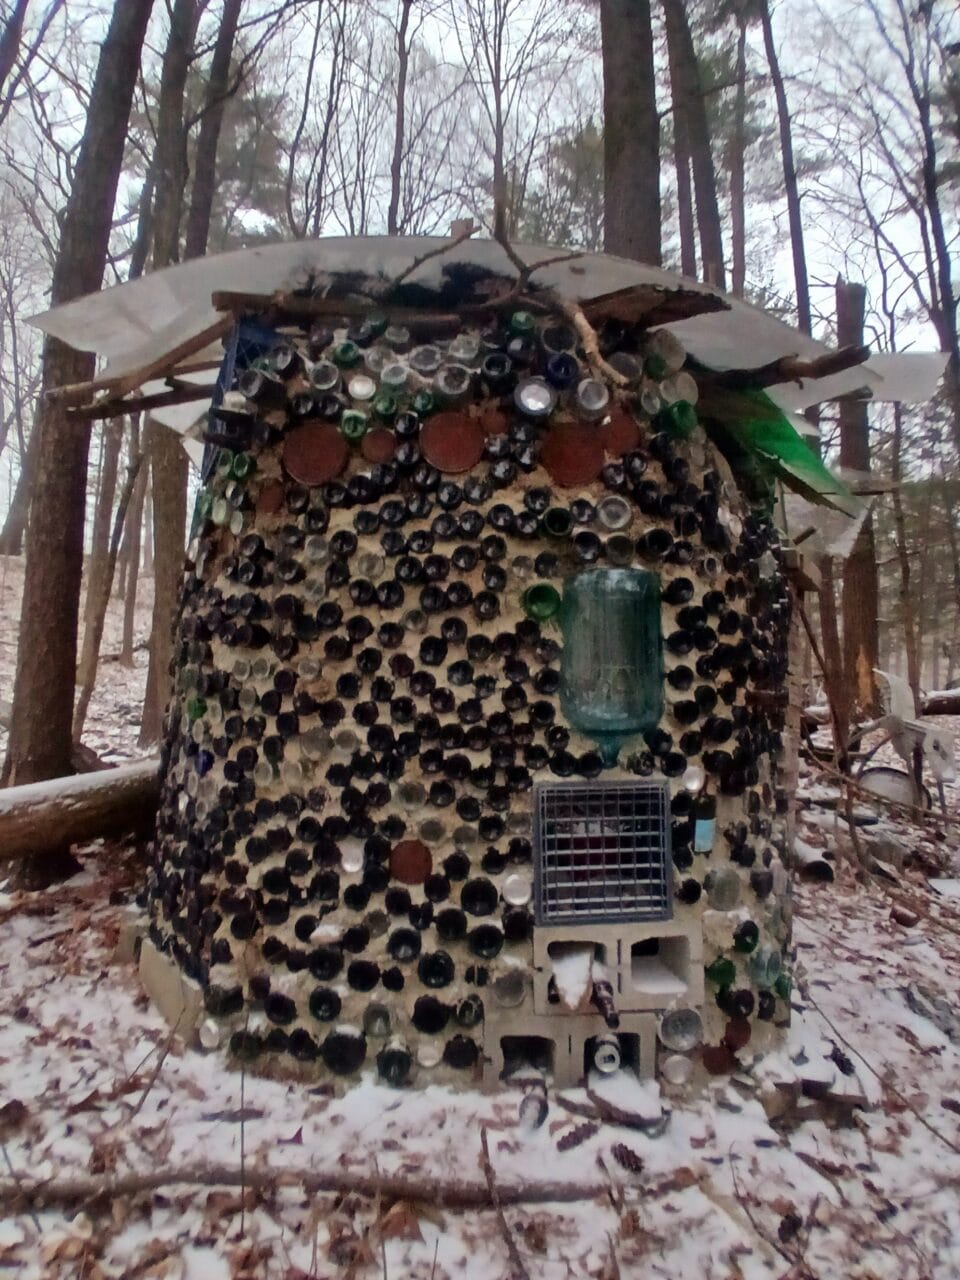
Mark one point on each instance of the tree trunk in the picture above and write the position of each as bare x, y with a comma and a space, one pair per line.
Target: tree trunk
738, 150
99, 572
836, 690
18, 513
687, 89
208, 139
10, 39
168, 462
631, 132
860, 600
790, 185
36, 819
685, 215
148, 528
133, 528
396, 160
98, 599
41, 721
168, 469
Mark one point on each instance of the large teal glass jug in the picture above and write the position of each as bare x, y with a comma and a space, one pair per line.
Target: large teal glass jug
611, 685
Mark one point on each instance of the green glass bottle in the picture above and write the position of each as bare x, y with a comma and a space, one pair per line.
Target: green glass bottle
611, 672
196, 709
353, 425
678, 419
722, 972
385, 406
522, 323
423, 403
242, 466
346, 354
541, 601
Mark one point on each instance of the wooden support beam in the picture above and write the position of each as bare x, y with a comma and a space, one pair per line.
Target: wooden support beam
182, 393
42, 815
77, 392
287, 306
789, 369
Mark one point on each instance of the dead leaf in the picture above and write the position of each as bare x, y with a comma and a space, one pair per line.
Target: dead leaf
295, 1141
400, 1222
13, 1115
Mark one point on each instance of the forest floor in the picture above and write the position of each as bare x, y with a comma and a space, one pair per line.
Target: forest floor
158, 1163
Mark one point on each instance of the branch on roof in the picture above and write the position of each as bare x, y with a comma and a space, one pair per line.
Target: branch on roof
789, 369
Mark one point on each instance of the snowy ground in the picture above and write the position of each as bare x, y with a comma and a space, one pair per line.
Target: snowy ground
91, 1088
864, 1183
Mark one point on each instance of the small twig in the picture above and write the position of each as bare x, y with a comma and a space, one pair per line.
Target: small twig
17, 1179
883, 1080
765, 1236
168, 1045
819, 1166
446, 247
520, 1271
588, 337
436, 1254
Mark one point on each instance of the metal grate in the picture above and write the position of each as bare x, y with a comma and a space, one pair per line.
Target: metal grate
602, 852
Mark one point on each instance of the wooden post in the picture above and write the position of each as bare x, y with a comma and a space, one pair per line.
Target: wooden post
860, 597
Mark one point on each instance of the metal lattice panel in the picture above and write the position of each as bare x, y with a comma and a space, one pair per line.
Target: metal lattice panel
602, 852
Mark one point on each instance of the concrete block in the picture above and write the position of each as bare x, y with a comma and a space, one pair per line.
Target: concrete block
567, 1036
179, 1000
675, 977
133, 928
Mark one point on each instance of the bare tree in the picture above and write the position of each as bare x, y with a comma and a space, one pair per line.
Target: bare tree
168, 462
790, 184
516, 56
693, 125
631, 132
40, 728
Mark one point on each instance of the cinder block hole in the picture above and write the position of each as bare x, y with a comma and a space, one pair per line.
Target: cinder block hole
520, 1052
660, 966
629, 1042
571, 947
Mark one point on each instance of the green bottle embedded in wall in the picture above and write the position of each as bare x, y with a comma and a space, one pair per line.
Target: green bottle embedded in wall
611, 680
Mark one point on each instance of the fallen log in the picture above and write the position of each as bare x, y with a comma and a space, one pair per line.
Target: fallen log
944, 702
81, 1189
44, 815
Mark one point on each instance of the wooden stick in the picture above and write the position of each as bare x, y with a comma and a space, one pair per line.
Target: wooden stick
789, 369
159, 366
83, 1188
184, 393
446, 247
519, 1272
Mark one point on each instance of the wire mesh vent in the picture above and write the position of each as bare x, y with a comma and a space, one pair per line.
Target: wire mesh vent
601, 852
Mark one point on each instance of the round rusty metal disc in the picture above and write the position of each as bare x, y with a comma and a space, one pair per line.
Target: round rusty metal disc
378, 445
314, 453
718, 1059
270, 498
410, 862
573, 455
619, 433
452, 442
